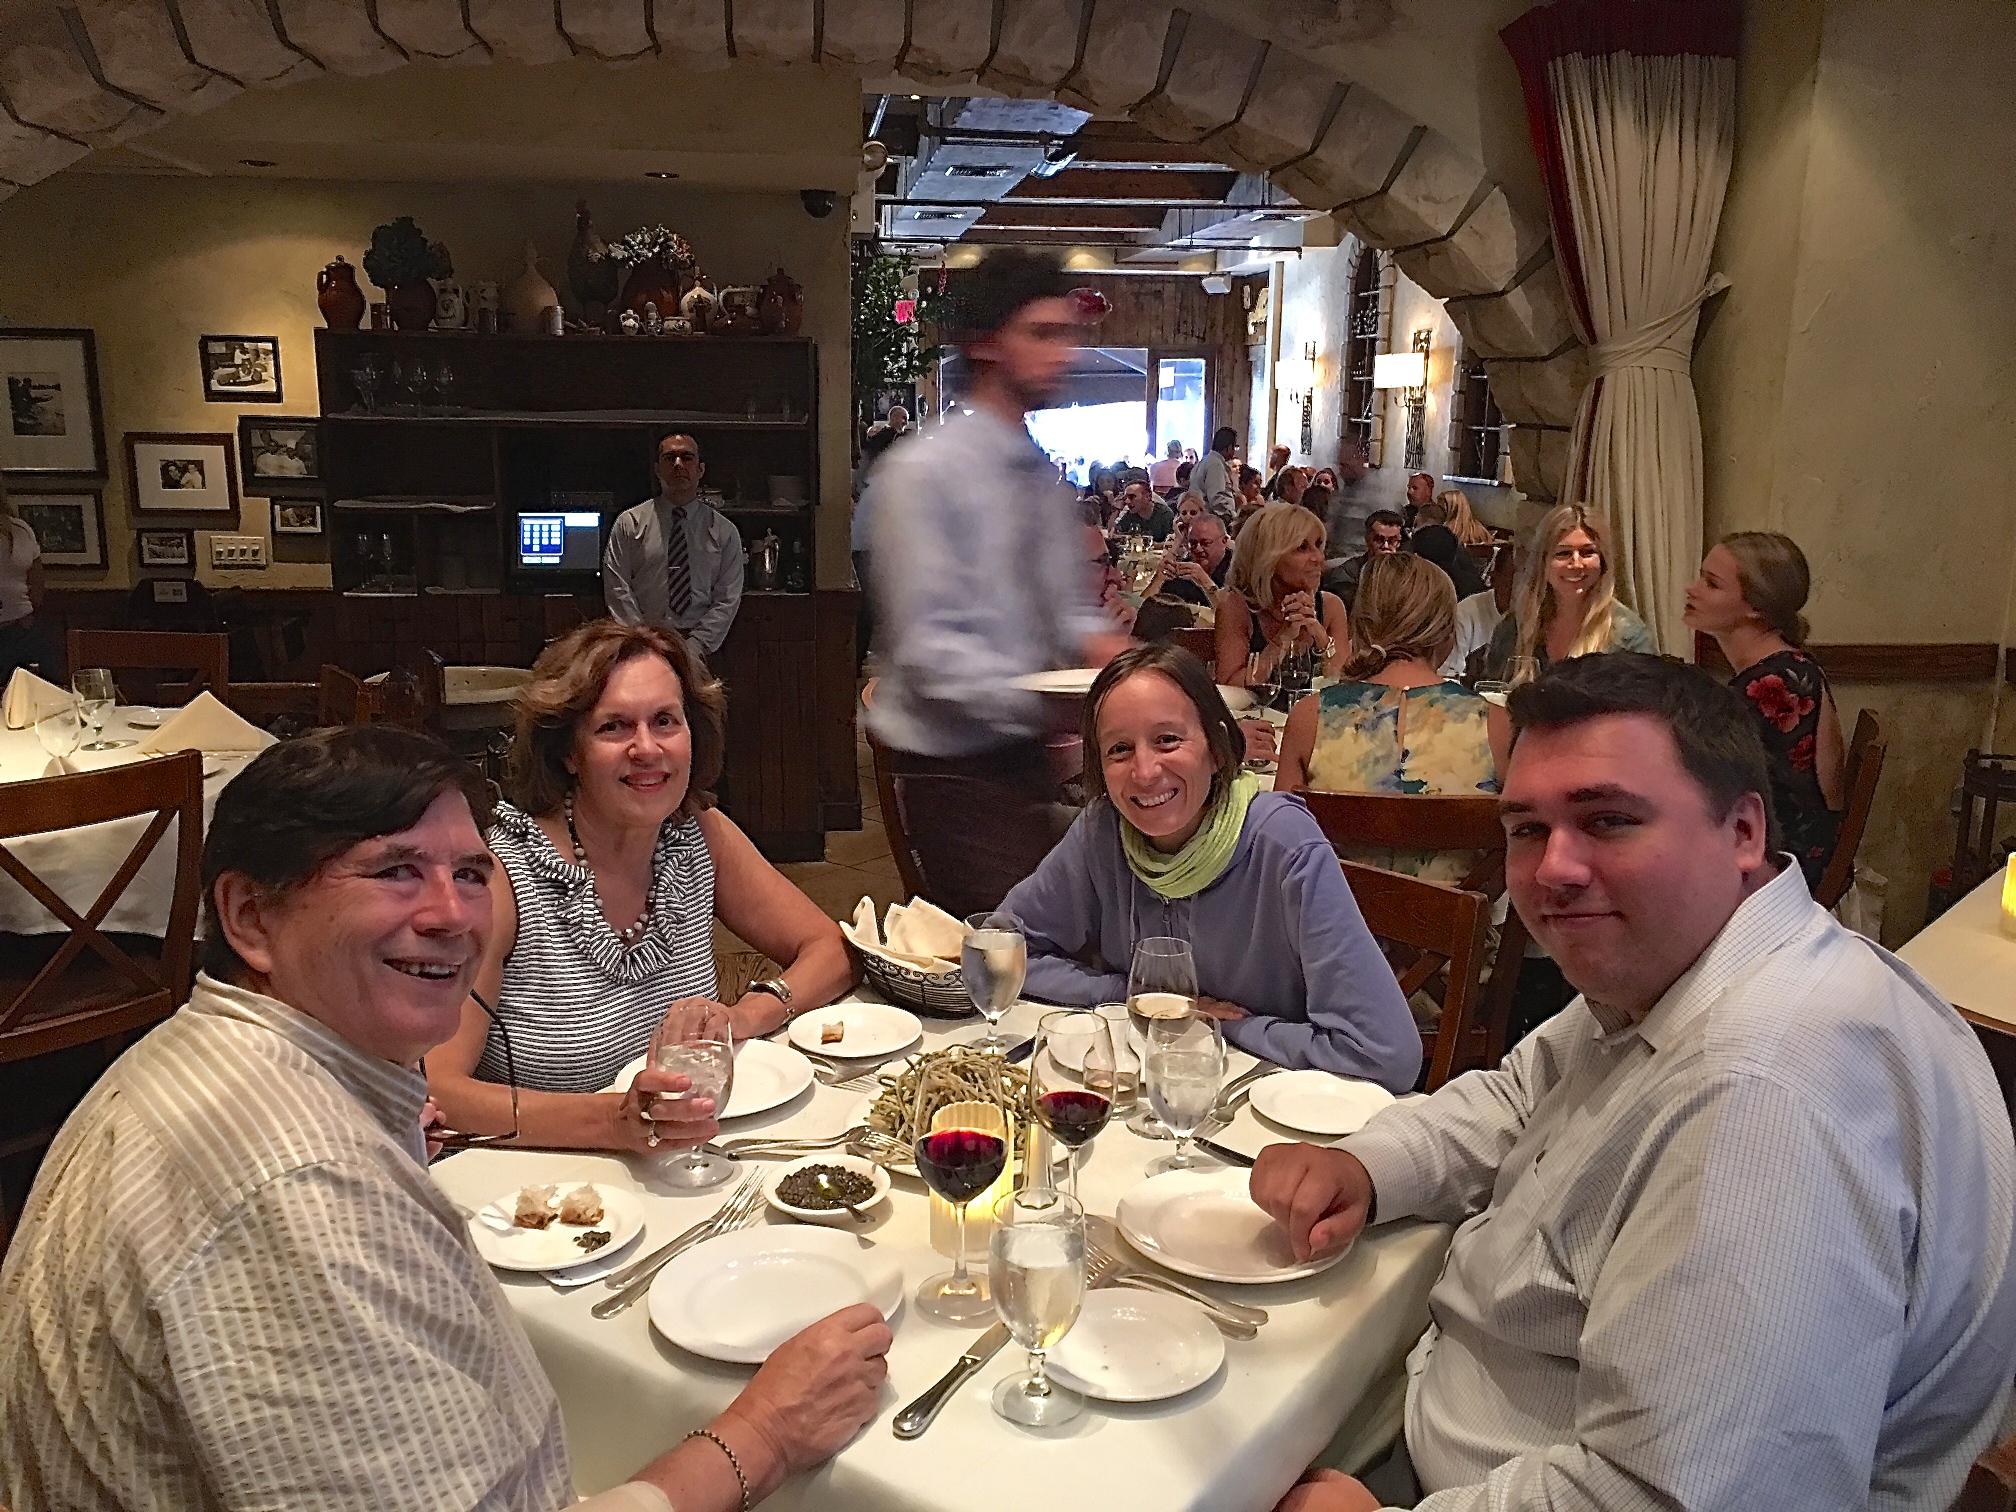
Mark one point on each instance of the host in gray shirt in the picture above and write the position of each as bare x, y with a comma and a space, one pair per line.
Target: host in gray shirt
691, 580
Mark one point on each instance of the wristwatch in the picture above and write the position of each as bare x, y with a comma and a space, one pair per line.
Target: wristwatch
777, 987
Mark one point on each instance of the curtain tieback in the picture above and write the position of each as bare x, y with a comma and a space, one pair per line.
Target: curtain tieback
1666, 343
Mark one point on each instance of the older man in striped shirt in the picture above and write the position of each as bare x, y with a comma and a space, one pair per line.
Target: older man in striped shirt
235, 1286
1736, 1224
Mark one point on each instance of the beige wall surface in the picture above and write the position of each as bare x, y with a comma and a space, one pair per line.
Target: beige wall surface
1858, 385
152, 264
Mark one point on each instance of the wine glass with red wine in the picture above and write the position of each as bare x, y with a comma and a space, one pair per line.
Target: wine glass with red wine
1071, 1079
958, 1160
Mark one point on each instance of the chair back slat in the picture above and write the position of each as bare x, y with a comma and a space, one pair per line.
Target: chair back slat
1866, 752
342, 698
1444, 926
208, 657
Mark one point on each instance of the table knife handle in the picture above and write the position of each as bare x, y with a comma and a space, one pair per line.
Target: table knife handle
914, 1419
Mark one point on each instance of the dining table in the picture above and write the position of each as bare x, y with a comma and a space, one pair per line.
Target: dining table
1322, 1374
77, 863
1969, 961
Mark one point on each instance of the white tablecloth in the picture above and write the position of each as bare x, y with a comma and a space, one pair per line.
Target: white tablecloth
77, 863
1237, 1442
1968, 960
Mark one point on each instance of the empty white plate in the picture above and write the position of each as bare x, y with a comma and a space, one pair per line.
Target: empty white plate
554, 1247
1203, 1223
1076, 682
1136, 1346
738, 1297
1069, 1051
766, 1076
872, 1029
1317, 1102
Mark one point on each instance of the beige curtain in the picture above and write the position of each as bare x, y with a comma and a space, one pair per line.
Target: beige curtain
1645, 144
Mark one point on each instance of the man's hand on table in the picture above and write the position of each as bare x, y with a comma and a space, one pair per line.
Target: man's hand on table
1328, 1491
1219, 1009
818, 1387
1321, 1198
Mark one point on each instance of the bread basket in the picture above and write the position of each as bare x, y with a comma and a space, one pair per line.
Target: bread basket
933, 994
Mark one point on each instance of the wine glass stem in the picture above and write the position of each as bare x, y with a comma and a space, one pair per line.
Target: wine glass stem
960, 1283
1038, 1384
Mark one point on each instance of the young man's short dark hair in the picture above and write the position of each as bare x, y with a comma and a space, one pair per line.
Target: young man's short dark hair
1223, 439
1383, 517
984, 298
1712, 727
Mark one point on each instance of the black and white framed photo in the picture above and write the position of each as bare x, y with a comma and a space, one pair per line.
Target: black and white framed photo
241, 369
69, 527
280, 454
167, 548
53, 422
297, 517
179, 473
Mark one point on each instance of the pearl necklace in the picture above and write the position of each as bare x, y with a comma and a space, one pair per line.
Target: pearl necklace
630, 934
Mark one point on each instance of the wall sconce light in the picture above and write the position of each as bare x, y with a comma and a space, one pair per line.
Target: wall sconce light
1408, 372
1296, 376
1400, 370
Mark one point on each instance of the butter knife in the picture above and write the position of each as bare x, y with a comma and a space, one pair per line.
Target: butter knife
913, 1420
1225, 1153
629, 1273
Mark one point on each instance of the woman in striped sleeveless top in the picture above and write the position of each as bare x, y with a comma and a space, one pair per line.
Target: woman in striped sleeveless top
615, 866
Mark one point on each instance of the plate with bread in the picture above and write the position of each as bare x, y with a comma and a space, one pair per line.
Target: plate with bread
550, 1227
850, 1031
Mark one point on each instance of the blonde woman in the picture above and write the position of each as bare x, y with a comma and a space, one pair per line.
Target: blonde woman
1273, 606
1395, 724
1565, 603
1462, 519
21, 589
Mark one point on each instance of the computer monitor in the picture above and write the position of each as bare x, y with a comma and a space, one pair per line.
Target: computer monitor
551, 540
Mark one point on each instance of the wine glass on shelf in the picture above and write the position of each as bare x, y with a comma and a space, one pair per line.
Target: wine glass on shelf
1161, 984
1072, 1079
695, 1040
1036, 1263
96, 695
366, 377
60, 730
993, 959
959, 1159
1181, 1071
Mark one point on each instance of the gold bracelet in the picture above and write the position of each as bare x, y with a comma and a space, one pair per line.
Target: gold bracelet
733, 1463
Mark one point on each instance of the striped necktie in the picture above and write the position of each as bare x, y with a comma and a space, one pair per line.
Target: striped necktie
678, 567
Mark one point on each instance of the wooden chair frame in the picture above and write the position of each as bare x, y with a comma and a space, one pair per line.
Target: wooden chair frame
171, 791
342, 698
1866, 752
208, 655
1445, 927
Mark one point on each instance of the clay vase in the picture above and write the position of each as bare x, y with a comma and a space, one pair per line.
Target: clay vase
529, 296
781, 305
341, 301
653, 282
412, 306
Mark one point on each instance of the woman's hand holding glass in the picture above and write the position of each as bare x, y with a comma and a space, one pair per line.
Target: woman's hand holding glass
688, 1077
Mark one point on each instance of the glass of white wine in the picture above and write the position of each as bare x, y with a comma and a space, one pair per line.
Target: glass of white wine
993, 959
96, 696
1182, 1071
1036, 1270
1161, 984
695, 1040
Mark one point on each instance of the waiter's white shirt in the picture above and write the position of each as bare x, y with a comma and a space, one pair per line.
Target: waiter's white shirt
1751, 1252
633, 569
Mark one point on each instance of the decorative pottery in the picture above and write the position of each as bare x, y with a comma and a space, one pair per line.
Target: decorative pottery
529, 297
698, 304
592, 274
412, 306
781, 305
341, 301
736, 312
653, 282
451, 305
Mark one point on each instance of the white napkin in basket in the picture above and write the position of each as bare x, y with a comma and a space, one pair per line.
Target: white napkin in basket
861, 931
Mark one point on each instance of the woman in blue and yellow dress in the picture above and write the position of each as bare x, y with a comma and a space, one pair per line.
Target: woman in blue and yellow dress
1395, 724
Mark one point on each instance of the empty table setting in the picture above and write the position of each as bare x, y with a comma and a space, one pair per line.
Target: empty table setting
1184, 1406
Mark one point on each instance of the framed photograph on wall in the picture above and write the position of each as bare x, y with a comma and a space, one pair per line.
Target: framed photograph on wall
69, 527
167, 548
240, 369
175, 473
280, 454
53, 422
297, 517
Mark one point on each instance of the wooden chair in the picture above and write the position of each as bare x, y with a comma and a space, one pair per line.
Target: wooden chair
1443, 927
82, 986
413, 693
1864, 769
1987, 785
1200, 641
343, 699
1406, 821
208, 657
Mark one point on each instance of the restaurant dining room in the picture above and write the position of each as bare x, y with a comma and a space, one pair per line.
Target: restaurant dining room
912, 754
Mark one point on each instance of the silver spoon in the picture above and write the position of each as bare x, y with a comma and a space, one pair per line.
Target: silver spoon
830, 1189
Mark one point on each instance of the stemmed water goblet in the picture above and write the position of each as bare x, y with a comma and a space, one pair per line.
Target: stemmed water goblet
96, 694
1036, 1262
993, 959
60, 730
696, 1040
1161, 984
1181, 1073
1072, 1079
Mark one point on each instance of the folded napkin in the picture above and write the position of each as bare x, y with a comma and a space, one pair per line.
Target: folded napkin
923, 929
864, 935
204, 724
30, 697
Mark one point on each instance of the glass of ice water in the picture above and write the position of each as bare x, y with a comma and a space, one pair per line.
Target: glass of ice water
993, 960
696, 1041
1036, 1270
1182, 1070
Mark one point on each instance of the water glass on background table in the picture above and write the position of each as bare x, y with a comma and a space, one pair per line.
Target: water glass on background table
1037, 1265
60, 731
993, 959
1181, 1073
1161, 984
1072, 1079
696, 1041
97, 695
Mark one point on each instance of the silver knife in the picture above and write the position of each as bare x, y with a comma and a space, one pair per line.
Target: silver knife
1225, 1153
622, 1278
913, 1420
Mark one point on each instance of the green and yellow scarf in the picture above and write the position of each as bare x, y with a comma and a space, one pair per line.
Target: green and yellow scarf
1187, 872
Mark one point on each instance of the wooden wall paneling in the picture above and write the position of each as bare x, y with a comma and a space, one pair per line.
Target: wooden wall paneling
833, 681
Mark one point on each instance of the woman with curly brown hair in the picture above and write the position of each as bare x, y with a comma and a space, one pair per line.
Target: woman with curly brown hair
615, 866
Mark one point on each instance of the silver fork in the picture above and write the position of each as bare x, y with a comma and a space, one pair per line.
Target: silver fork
779, 1145
741, 1210
1118, 1269
1103, 1268
873, 1144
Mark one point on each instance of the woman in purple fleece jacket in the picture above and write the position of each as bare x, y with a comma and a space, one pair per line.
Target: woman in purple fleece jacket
1178, 841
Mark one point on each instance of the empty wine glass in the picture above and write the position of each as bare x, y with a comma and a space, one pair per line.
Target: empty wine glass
60, 730
993, 959
1036, 1262
1073, 1077
1161, 984
695, 1040
1181, 1072
96, 695
366, 378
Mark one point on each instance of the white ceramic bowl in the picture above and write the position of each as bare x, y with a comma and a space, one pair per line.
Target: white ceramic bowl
832, 1217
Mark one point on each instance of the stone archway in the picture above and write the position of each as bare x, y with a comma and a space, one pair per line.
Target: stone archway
75, 78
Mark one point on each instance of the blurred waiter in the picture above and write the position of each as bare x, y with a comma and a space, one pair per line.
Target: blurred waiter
675, 559
979, 581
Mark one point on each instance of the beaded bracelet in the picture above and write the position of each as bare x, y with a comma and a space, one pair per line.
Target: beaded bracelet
733, 1463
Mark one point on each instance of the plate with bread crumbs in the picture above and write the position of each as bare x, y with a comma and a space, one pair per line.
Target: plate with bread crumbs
554, 1225
851, 1031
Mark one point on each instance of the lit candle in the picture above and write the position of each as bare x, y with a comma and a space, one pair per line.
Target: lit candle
2009, 898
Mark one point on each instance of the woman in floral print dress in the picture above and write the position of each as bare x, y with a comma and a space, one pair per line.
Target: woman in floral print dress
1748, 597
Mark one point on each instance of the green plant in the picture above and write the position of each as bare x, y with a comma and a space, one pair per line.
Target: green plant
886, 354
401, 256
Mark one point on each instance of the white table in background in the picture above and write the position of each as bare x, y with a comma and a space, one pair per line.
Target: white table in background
1234, 1444
1968, 960
77, 863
